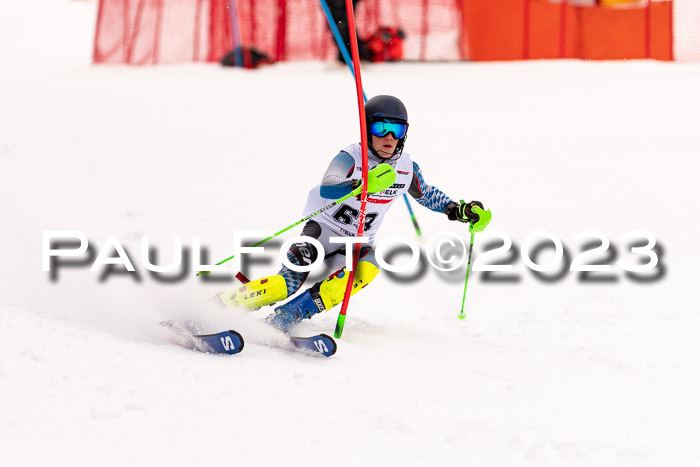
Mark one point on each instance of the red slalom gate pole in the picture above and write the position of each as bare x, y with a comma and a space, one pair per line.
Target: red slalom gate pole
363, 197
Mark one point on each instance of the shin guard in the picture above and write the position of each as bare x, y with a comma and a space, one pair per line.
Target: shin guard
332, 290
257, 293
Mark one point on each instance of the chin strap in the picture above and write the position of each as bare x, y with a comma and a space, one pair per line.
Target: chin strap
392, 158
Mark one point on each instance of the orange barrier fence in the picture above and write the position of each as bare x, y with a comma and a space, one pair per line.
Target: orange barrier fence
538, 29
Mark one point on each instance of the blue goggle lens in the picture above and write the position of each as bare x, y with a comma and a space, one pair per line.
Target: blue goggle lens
382, 129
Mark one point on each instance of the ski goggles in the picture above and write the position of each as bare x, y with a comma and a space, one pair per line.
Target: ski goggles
381, 128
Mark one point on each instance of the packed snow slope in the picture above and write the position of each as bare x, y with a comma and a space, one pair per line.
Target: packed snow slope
541, 372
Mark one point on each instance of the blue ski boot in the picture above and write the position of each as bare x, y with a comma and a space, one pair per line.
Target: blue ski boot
304, 306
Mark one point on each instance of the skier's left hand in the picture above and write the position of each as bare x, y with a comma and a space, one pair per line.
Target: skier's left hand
463, 212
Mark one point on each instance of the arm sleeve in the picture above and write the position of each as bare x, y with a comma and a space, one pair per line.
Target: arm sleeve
336, 181
427, 195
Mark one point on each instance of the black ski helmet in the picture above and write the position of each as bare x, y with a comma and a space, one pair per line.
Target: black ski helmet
386, 107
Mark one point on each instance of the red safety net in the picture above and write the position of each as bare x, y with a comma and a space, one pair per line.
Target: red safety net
177, 31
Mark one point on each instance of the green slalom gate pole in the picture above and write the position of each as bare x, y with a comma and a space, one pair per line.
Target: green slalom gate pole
478, 226
378, 179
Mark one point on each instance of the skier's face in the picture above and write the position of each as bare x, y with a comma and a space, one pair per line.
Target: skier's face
384, 146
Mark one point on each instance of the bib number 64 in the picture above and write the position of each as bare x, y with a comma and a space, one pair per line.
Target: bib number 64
347, 215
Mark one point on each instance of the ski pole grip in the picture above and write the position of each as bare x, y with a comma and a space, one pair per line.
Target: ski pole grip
380, 178
484, 219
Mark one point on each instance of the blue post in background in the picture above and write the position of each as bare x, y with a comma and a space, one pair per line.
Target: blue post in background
339, 40
235, 34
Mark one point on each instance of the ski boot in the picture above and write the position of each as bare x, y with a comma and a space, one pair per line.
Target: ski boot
304, 306
322, 296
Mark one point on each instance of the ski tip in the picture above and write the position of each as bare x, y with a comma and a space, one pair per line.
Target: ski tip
327, 337
240, 337
334, 349
226, 342
320, 344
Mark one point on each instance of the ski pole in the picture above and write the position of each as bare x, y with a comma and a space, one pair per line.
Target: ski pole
348, 61
378, 179
461, 314
478, 226
413, 216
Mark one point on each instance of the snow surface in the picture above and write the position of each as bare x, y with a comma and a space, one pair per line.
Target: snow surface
562, 373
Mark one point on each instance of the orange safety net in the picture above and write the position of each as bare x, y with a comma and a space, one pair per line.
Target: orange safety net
539, 29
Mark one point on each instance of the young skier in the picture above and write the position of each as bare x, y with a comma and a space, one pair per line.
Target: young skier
387, 125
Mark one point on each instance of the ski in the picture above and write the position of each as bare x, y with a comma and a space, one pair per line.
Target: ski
231, 342
322, 344
227, 342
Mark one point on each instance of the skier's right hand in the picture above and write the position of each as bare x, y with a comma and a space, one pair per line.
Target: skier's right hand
356, 184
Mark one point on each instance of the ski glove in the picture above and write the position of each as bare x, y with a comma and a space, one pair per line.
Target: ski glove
463, 212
